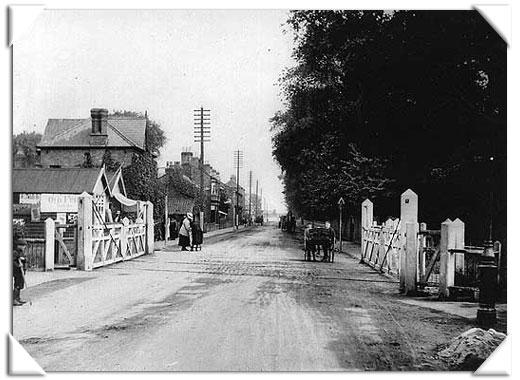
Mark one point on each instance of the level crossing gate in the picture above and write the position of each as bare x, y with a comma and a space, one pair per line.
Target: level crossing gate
101, 243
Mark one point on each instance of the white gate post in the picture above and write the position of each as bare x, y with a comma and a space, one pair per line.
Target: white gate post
149, 228
84, 255
458, 231
367, 219
123, 237
447, 262
410, 274
409, 214
50, 231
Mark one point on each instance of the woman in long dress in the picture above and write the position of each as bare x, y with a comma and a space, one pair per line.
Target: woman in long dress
185, 232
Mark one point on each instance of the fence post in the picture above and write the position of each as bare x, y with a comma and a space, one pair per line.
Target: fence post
149, 228
409, 214
50, 230
410, 274
447, 259
84, 256
458, 242
123, 237
367, 218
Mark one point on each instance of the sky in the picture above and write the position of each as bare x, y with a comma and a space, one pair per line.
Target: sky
168, 63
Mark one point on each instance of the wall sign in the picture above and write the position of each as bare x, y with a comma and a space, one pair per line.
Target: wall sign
29, 199
59, 202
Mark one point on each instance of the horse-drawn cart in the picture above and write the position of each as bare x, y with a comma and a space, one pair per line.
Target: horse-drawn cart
316, 239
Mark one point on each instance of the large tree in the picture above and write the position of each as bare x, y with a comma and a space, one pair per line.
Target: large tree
24, 149
383, 101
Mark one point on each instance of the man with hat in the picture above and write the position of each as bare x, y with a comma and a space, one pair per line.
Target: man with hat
18, 269
185, 232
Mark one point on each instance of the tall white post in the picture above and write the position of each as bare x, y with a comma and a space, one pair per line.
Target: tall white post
458, 232
84, 255
367, 219
149, 228
409, 214
410, 274
123, 237
447, 259
50, 230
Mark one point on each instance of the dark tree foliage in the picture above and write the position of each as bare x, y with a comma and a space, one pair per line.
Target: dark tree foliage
141, 182
24, 148
379, 102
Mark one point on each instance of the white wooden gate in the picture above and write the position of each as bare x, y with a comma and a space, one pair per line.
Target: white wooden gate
117, 242
101, 243
382, 245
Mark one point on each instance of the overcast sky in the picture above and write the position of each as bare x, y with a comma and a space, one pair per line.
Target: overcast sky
167, 62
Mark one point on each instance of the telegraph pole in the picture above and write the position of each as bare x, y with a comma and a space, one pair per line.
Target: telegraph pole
202, 133
261, 202
256, 200
250, 182
239, 157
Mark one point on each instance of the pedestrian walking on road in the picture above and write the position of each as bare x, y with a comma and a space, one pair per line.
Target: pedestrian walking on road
185, 232
197, 236
19, 262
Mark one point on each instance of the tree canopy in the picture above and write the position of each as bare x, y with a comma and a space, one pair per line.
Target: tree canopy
379, 102
24, 147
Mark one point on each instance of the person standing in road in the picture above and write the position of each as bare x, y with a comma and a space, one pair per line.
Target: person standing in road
197, 235
185, 232
18, 270
327, 247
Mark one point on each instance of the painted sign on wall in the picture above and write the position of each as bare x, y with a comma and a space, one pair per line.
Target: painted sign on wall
59, 202
29, 199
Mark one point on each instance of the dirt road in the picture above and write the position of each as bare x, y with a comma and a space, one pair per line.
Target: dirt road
246, 302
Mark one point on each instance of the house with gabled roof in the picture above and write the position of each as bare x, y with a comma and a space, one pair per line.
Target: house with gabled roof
84, 142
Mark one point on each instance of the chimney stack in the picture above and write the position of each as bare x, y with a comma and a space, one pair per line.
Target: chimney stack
98, 133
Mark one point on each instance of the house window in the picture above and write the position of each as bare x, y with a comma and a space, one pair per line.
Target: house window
55, 166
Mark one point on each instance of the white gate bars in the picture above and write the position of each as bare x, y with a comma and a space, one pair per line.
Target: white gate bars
107, 243
382, 245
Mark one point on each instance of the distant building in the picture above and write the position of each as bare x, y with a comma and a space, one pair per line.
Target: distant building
83, 142
181, 191
232, 191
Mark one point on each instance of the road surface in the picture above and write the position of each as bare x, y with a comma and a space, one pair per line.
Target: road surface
246, 302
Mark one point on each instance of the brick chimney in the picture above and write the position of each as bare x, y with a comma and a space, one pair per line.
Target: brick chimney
98, 133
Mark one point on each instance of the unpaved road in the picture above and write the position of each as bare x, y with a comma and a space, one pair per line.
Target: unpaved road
246, 302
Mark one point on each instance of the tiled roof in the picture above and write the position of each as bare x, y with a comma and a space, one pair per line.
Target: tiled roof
122, 132
55, 180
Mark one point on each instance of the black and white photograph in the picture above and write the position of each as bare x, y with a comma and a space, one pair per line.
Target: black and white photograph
258, 190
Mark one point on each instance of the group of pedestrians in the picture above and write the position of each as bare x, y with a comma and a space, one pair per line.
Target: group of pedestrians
190, 234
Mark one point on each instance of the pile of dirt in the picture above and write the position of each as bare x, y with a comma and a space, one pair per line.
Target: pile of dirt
471, 348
